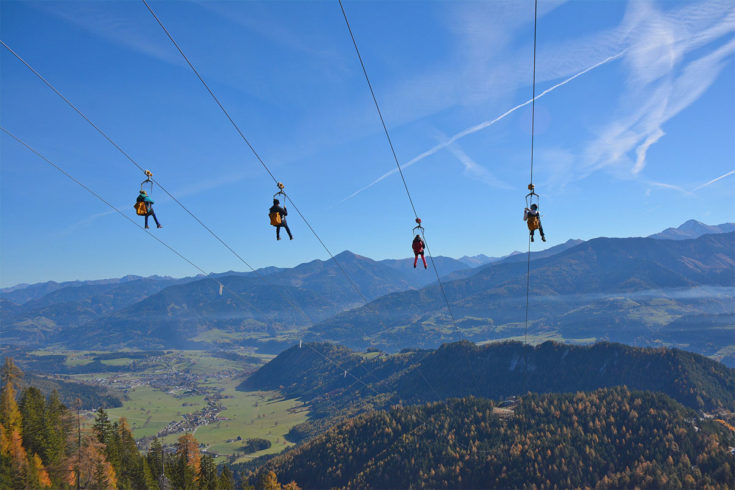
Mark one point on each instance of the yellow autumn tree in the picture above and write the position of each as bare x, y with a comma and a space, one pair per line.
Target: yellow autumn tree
187, 449
94, 469
25, 472
9, 412
268, 481
37, 474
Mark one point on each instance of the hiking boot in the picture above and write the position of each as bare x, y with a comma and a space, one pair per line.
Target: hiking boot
160, 226
278, 238
146, 227
543, 238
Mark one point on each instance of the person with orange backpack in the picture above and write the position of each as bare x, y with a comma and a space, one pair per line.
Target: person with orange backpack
278, 215
418, 246
144, 207
533, 220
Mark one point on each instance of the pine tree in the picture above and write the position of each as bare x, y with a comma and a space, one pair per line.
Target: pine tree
154, 459
102, 425
226, 479
207, 479
33, 427
150, 481
131, 463
56, 426
185, 473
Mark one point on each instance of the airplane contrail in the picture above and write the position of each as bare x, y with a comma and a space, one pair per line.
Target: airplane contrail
714, 180
481, 126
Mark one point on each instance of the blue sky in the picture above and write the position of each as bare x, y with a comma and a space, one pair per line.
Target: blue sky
637, 123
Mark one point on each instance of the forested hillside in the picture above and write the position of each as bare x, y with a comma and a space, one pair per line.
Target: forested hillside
316, 373
609, 438
43, 445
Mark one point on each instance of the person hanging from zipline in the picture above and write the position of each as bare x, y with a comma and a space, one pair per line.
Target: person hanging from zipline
533, 220
418, 246
144, 207
278, 215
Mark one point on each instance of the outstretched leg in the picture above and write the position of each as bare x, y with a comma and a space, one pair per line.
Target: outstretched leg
541, 231
424, 259
146, 219
290, 236
278, 232
415, 259
154, 219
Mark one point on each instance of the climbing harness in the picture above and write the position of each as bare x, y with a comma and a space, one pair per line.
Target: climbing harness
141, 207
532, 199
275, 216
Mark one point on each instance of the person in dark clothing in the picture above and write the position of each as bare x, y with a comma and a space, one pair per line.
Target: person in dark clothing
144, 198
418, 249
533, 220
282, 212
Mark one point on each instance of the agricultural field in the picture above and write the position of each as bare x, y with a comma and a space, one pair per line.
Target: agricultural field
148, 410
248, 415
169, 393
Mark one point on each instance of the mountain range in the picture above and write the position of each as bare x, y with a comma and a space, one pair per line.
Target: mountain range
627, 290
641, 291
693, 229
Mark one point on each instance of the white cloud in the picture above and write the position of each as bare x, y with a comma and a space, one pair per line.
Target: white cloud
479, 127
706, 184
663, 79
475, 170
97, 19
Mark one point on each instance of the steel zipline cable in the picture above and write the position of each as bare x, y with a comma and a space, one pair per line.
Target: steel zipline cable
252, 149
124, 153
533, 131
395, 158
196, 218
73, 179
206, 274
142, 169
163, 188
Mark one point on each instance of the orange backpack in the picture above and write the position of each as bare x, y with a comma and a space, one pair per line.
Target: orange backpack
533, 222
275, 217
140, 208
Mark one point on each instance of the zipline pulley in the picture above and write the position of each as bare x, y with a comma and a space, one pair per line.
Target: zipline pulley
418, 227
148, 175
532, 197
280, 192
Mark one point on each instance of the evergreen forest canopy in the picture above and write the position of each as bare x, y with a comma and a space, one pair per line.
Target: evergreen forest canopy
608, 438
316, 372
